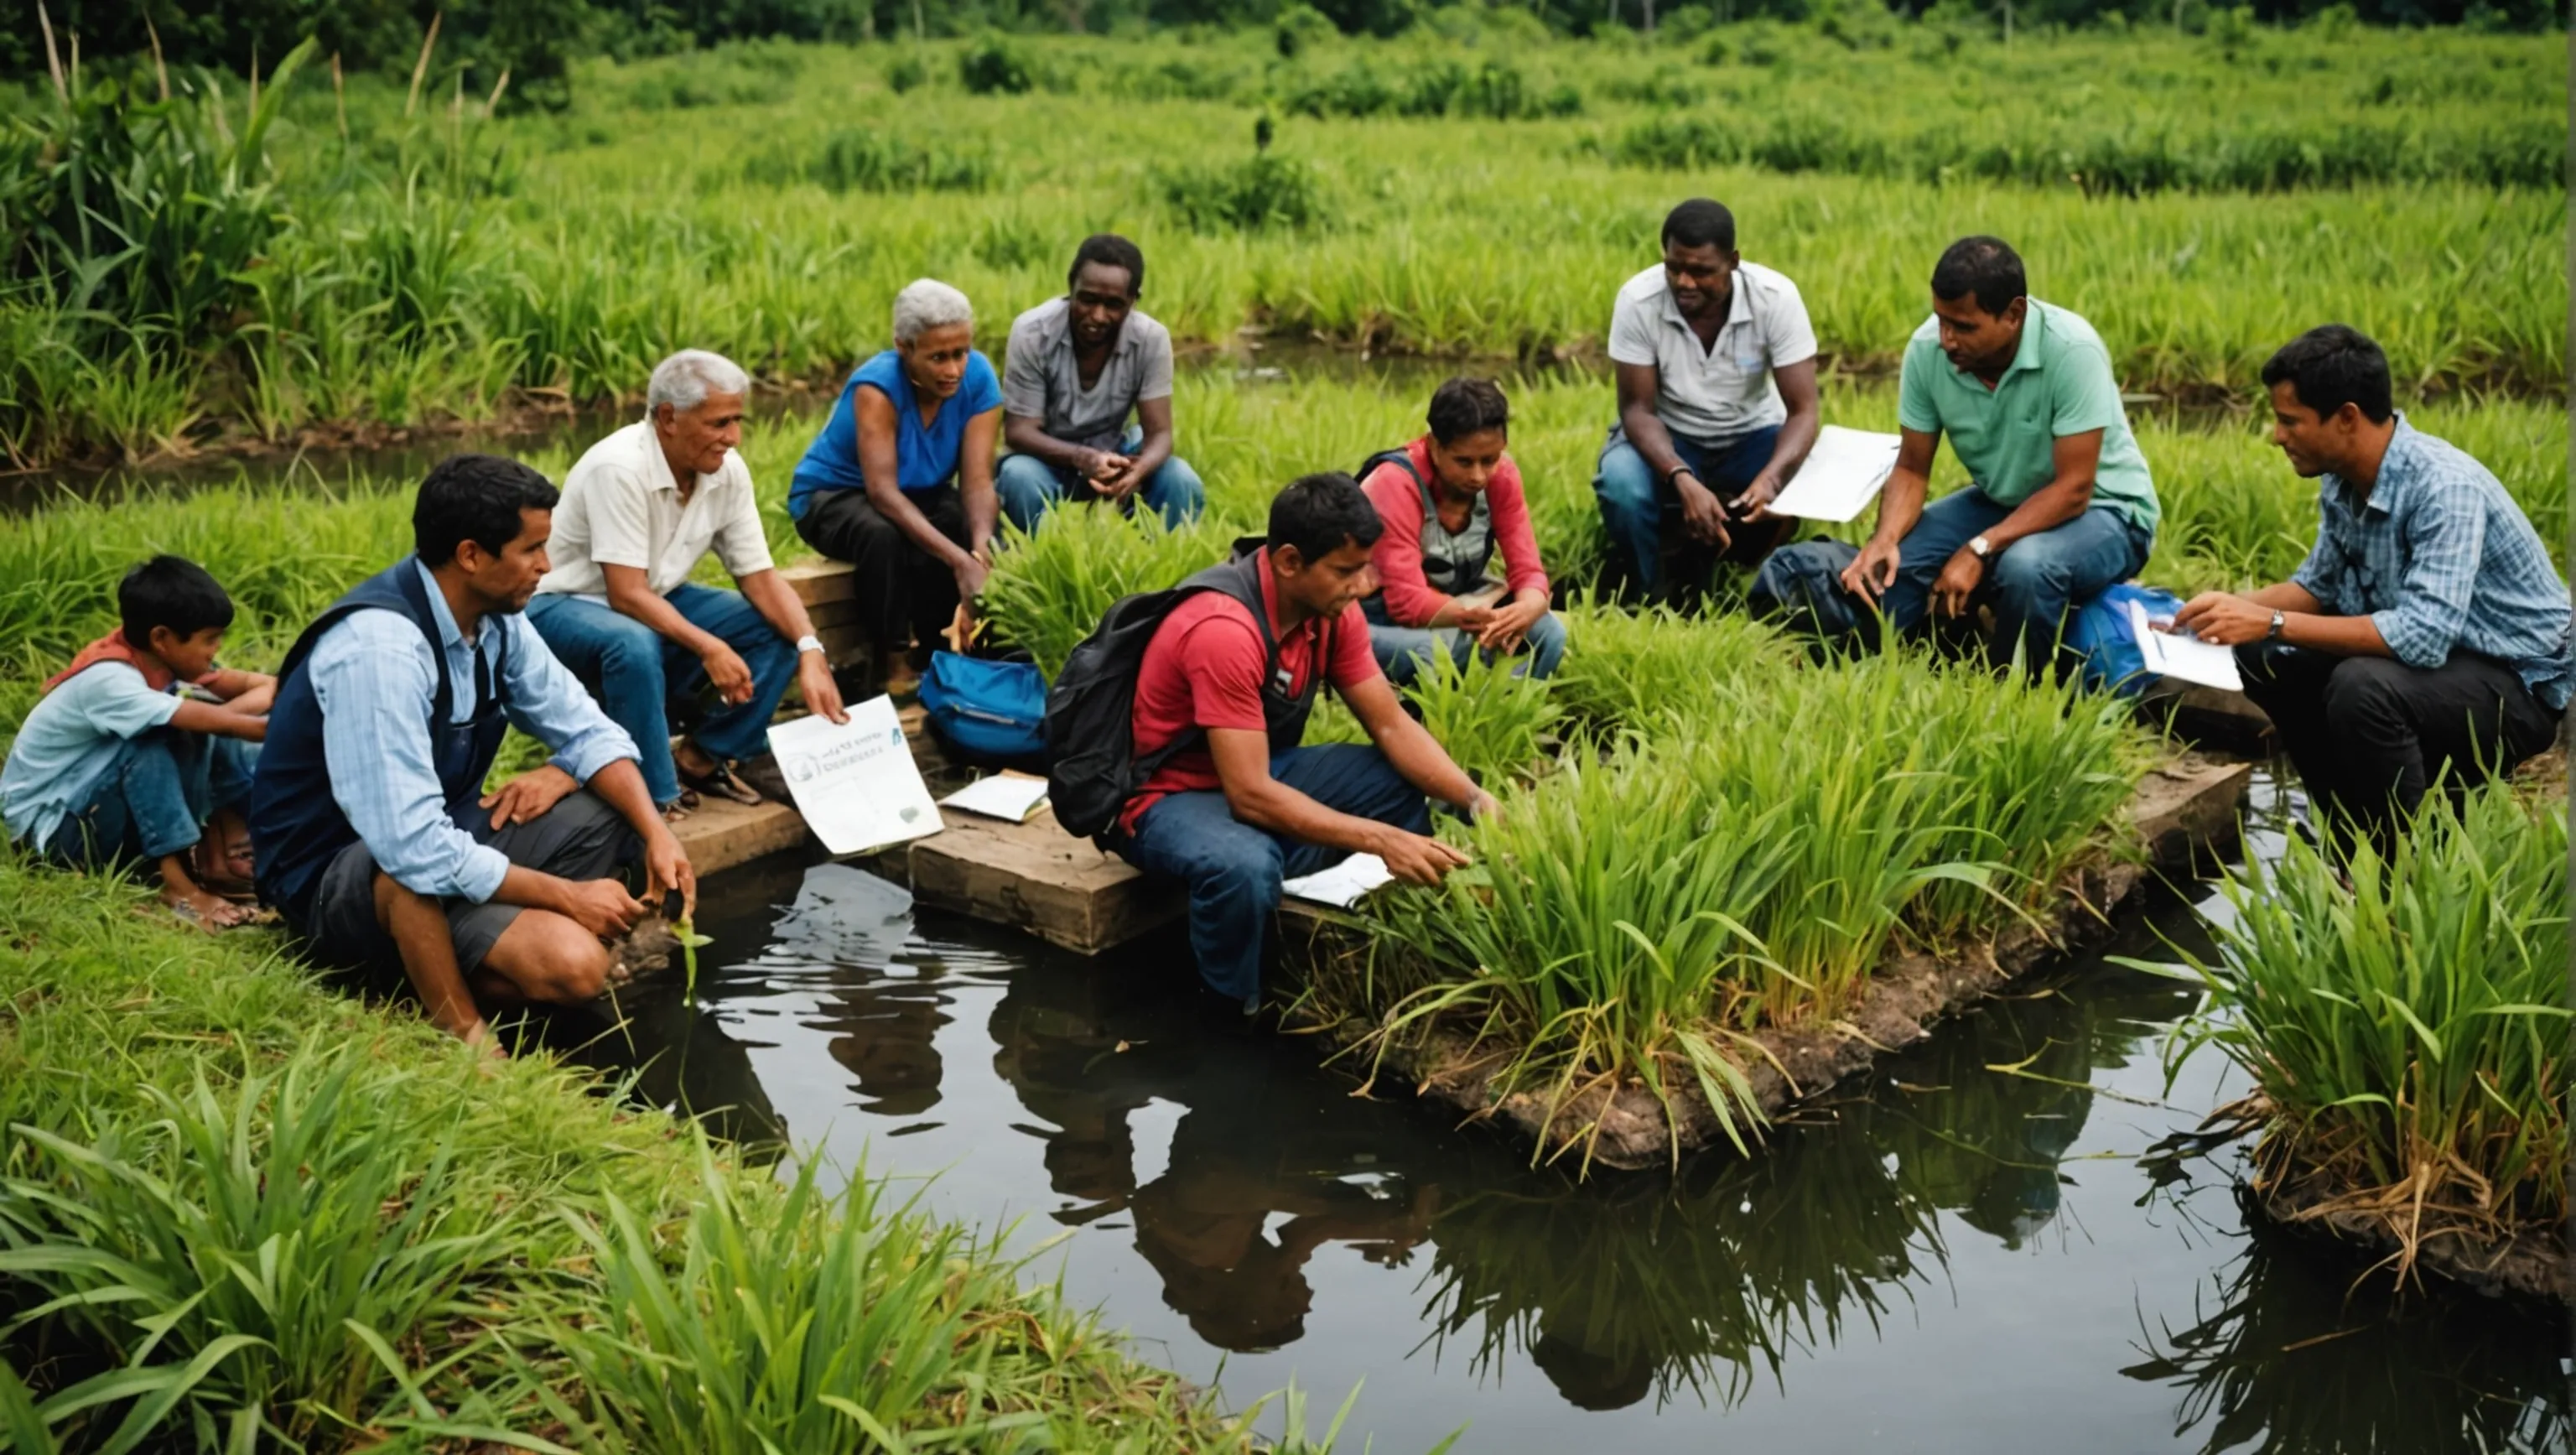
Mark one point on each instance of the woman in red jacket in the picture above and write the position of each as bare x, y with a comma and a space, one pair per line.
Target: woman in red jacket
1449, 501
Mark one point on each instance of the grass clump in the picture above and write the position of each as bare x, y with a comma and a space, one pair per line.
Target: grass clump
1260, 193
2407, 1032
867, 159
1049, 590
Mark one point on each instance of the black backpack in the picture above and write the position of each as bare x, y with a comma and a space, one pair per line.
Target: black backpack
1089, 727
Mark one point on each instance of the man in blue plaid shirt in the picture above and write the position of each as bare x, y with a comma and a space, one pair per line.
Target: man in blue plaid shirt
2426, 633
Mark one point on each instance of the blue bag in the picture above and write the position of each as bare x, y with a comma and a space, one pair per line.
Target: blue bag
987, 713
2100, 631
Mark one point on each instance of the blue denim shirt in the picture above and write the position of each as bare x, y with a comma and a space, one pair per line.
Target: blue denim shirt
2439, 558
374, 678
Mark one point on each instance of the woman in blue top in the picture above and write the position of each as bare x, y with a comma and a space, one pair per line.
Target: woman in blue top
900, 481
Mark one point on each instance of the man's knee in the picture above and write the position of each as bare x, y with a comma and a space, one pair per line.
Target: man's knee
1623, 482
2365, 690
629, 647
551, 959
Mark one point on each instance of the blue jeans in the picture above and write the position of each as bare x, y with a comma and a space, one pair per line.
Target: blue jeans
1404, 651
643, 679
1030, 487
1636, 507
2032, 585
1234, 870
153, 800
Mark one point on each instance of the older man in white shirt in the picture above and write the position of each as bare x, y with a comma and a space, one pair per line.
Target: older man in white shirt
639, 511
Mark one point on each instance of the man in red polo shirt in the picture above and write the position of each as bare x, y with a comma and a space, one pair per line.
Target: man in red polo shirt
1233, 805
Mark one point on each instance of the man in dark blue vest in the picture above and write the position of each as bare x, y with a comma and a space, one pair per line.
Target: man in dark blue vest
372, 832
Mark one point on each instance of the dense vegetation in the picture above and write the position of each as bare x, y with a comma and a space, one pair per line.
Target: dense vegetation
177, 270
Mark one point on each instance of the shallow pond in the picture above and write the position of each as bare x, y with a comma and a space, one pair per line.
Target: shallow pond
1964, 1254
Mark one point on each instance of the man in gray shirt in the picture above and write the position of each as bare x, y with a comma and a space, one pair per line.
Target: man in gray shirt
1077, 368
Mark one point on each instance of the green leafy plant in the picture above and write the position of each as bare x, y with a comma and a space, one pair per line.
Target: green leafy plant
1049, 590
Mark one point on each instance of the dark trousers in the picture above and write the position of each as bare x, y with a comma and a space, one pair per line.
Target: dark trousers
1641, 512
904, 594
2370, 734
1234, 870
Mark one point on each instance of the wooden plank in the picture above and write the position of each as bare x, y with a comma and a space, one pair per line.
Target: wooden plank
827, 614
1041, 879
843, 646
819, 581
720, 833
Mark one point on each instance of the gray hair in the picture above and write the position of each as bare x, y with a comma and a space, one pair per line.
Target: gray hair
927, 303
684, 380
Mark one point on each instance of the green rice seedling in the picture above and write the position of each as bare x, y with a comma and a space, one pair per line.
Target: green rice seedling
2408, 1035
1496, 721
252, 1258
1049, 590
1602, 957
1624, 668
1256, 194
782, 1328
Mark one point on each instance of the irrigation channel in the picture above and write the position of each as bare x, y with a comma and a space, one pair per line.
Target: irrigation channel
1950, 1256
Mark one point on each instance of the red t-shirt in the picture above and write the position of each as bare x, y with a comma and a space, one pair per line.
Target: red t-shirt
1203, 669
1410, 599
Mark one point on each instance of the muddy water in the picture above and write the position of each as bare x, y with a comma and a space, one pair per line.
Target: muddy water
1952, 1257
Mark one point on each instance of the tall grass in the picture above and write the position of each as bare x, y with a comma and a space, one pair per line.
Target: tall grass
2408, 1033
1049, 590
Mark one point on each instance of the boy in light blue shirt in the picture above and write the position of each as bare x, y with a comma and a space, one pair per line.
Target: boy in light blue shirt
115, 764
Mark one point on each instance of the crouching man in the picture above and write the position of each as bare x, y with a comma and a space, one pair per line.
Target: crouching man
372, 833
1231, 803
2426, 634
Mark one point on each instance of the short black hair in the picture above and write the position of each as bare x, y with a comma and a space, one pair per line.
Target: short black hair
1701, 222
1463, 407
474, 498
1110, 250
1985, 267
170, 591
2331, 366
1317, 513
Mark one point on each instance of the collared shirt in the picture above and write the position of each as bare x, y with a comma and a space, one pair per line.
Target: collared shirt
2059, 384
621, 507
1725, 389
926, 451
1042, 380
374, 679
2439, 557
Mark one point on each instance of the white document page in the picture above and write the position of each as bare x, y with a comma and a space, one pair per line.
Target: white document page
2182, 656
855, 782
1343, 885
1841, 477
1012, 796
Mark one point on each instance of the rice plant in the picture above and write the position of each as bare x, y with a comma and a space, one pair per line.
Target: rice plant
1049, 590
1497, 722
2407, 1031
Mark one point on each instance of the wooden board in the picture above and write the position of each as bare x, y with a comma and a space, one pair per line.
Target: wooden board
817, 582
720, 833
1041, 879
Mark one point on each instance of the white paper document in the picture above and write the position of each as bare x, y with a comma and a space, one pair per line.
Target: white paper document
1343, 885
2184, 657
855, 782
1012, 796
1841, 477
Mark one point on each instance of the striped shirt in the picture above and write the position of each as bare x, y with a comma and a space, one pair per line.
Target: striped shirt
2440, 558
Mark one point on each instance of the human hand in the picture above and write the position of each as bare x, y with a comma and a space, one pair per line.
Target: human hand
1702, 515
257, 697
1755, 502
971, 572
530, 796
2223, 619
667, 867
1470, 619
1099, 465
1958, 582
480, 1036
725, 668
1120, 479
1419, 858
1509, 626
602, 906
815, 682
1485, 808
1873, 570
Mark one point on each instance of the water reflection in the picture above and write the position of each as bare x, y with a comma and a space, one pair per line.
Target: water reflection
1261, 1200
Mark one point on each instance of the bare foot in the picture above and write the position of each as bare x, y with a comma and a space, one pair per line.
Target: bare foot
207, 912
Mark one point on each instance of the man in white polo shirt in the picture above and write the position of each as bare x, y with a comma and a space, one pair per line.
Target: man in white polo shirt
638, 512
1717, 404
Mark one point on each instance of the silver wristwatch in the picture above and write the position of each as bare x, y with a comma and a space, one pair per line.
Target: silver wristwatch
2274, 633
1980, 547
808, 643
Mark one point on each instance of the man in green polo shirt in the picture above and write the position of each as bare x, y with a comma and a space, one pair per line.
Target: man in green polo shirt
2059, 505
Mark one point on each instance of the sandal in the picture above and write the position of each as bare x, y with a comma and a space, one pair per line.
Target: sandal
721, 783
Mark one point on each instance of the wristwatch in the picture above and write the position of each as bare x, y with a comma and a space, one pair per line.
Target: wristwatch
1980, 547
2273, 634
808, 643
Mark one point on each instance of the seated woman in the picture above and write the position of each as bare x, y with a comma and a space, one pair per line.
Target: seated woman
900, 482
1448, 500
